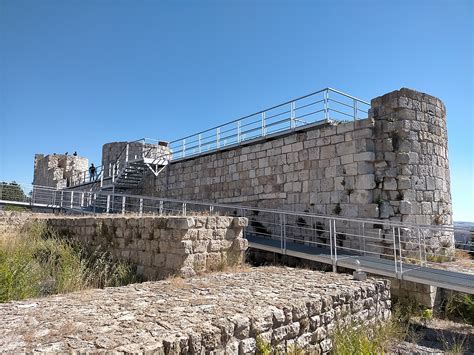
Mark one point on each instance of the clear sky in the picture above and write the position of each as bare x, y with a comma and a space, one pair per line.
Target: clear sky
77, 74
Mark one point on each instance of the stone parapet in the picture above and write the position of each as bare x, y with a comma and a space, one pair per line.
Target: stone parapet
161, 246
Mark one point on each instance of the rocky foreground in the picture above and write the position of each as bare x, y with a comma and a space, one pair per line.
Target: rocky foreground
221, 312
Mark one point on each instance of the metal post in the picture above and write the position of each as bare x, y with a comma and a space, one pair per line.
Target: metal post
394, 251
123, 204
95, 200
419, 245
211, 209
183, 149
161, 207
62, 196
363, 237
326, 104
355, 109
282, 232
108, 204
292, 115
264, 129
218, 137
400, 251
126, 153
334, 268
330, 244
141, 207
110, 169
82, 199
199, 139
184, 208
239, 139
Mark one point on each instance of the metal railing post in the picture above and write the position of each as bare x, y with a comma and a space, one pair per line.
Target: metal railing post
330, 243
394, 251
108, 204
126, 152
72, 199
110, 169
94, 199
62, 196
211, 209
161, 207
326, 104
400, 251
184, 208
264, 129
82, 200
141, 207
292, 115
102, 178
199, 139
238, 132
113, 173
419, 245
183, 149
218, 138
123, 204
363, 238
354, 101
334, 267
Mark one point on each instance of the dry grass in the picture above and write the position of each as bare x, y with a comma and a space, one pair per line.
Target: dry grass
35, 262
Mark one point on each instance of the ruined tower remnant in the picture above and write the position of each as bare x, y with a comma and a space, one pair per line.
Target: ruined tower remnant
58, 170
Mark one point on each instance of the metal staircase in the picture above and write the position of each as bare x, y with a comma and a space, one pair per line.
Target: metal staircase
127, 170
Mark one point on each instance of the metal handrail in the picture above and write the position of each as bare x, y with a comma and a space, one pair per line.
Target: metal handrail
406, 244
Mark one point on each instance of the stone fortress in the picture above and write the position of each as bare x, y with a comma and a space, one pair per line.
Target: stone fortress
392, 165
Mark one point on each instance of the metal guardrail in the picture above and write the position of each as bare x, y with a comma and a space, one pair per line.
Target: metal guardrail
320, 106
406, 246
323, 105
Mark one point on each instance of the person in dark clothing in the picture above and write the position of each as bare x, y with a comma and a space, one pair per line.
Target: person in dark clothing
92, 171
75, 154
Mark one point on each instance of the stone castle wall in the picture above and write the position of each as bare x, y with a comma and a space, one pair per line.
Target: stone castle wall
161, 246
58, 170
391, 166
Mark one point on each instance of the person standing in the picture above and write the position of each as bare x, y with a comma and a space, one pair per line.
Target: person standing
92, 171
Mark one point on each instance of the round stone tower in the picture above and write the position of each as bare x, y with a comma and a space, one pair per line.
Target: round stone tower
411, 162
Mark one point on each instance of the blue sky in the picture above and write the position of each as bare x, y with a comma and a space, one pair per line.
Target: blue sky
77, 74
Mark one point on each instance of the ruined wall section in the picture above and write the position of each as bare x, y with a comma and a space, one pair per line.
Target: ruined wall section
161, 246
58, 170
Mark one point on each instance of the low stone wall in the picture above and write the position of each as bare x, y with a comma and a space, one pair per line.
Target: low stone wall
216, 313
161, 246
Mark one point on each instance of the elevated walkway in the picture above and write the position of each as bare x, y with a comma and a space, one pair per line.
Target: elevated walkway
450, 280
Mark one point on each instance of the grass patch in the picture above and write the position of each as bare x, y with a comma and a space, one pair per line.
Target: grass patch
34, 262
378, 338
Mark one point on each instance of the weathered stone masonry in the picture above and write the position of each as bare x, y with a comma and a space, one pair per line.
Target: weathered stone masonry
212, 314
392, 165
161, 246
